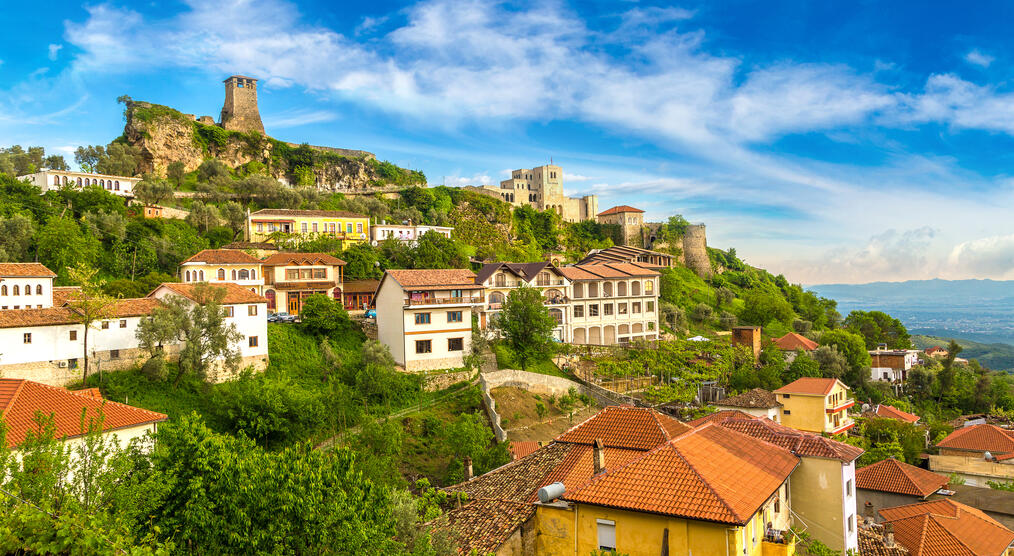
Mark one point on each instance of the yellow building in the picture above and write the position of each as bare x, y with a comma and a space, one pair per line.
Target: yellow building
634, 481
223, 265
816, 405
347, 226
289, 278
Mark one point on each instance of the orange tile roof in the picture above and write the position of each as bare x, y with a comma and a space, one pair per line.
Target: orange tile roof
234, 293
619, 210
576, 273
621, 426
711, 473
719, 416
62, 293
432, 278
947, 528
520, 449
26, 270
308, 213
793, 341
810, 385
279, 259
798, 442
223, 256
20, 399
18, 318
980, 438
360, 286
891, 412
891, 475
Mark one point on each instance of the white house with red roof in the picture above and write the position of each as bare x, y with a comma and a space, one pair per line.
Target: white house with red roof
217, 266
977, 453
25, 286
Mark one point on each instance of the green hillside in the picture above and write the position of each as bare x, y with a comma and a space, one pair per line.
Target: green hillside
998, 357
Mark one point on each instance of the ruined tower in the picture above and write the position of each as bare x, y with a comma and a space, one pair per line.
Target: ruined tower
695, 250
240, 112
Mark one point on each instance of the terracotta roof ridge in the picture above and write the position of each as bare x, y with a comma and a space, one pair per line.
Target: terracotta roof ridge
908, 475
103, 401
956, 538
14, 397
608, 471
704, 481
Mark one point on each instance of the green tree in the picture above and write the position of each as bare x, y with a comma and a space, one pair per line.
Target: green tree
176, 172
204, 217
877, 327
468, 436
853, 348
16, 235
88, 157
212, 168
199, 325
121, 159
763, 307
802, 365
63, 245
152, 191
324, 316
89, 305
525, 325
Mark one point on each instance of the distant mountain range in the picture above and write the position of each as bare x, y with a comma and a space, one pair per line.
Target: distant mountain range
978, 310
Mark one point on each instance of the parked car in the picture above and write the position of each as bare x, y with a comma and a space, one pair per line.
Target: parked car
281, 317
371, 314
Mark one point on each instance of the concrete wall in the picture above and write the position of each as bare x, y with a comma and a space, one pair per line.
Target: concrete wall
31, 299
975, 470
881, 500
819, 502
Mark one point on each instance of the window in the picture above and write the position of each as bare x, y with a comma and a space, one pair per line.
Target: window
244, 274
578, 311
116, 185
314, 227
234, 274
229, 312
28, 289
455, 344
621, 309
260, 226
105, 325
593, 310
848, 488
114, 354
423, 346
778, 504
73, 335
649, 307
17, 290
651, 325
456, 294
607, 534
453, 316
123, 323
649, 286
302, 227
221, 274
348, 228
292, 274
72, 363
635, 307
786, 412
785, 396
607, 309
3, 290
319, 273
252, 340
851, 523
28, 337
38, 289
251, 310
359, 227
422, 318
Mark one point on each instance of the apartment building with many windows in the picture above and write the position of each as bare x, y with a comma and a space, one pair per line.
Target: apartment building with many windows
425, 316
289, 278
612, 303
47, 180
26, 286
217, 266
499, 279
349, 227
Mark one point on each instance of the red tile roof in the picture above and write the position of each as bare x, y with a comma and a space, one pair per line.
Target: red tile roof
62, 293
891, 412
810, 385
26, 270
234, 293
279, 259
308, 213
620, 426
793, 341
520, 449
223, 256
798, 442
619, 210
360, 286
947, 528
18, 318
891, 475
711, 473
20, 400
980, 438
428, 279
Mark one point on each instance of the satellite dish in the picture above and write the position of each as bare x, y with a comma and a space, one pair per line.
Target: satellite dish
987, 456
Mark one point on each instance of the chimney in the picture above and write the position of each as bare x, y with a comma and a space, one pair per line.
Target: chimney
599, 456
468, 468
889, 535
868, 512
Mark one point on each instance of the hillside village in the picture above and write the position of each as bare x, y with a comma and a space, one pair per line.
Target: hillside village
214, 341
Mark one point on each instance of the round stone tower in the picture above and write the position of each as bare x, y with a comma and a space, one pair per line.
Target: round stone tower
695, 250
240, 112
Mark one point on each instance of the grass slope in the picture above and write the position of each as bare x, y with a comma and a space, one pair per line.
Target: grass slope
998, 356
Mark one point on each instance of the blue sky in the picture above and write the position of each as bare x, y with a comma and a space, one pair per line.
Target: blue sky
830, 141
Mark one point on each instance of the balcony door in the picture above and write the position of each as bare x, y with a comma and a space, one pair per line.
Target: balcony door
294, 303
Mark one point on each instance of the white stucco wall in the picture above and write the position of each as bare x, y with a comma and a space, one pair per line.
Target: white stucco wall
22, 300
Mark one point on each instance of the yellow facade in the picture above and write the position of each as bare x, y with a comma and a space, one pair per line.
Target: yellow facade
574, 529
820, 502
819, 413
350, 229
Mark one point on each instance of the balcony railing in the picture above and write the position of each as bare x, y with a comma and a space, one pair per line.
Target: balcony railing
544, 283
443, 301
845, 404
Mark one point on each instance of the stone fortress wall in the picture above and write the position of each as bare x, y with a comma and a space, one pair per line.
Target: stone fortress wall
695, 250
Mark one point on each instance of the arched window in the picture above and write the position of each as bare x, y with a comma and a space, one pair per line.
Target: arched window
234, 274
102, 183
116, 185
221, 274
202, 276
244, 274
635, 287
270, 296
65, 180
38, 289
79, 181
495, 298
88, 181
188, 276
17, 290
253, 273
56, 180
649, 286
28, 289
3, 290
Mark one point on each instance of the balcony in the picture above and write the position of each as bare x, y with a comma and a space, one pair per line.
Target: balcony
443, 301
547, 283
781, 543
842, 406
842, 426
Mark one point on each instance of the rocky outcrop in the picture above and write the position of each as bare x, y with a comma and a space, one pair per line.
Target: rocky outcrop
165, 135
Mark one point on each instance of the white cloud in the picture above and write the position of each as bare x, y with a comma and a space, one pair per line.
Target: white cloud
990, 256
370, 23
458, 181
962, 104
54, 51
977, 58
577, 177
295, 118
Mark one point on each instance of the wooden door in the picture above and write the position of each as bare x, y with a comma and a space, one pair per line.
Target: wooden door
294, 304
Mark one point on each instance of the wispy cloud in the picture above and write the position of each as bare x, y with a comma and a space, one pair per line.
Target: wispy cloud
458, 181
54, 51
295, 118
977, 58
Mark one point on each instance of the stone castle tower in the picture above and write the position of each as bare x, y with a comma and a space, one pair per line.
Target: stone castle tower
240, 112
695, 250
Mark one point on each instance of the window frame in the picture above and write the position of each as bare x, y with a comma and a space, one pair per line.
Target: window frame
423, 318
460, 341
427, 344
